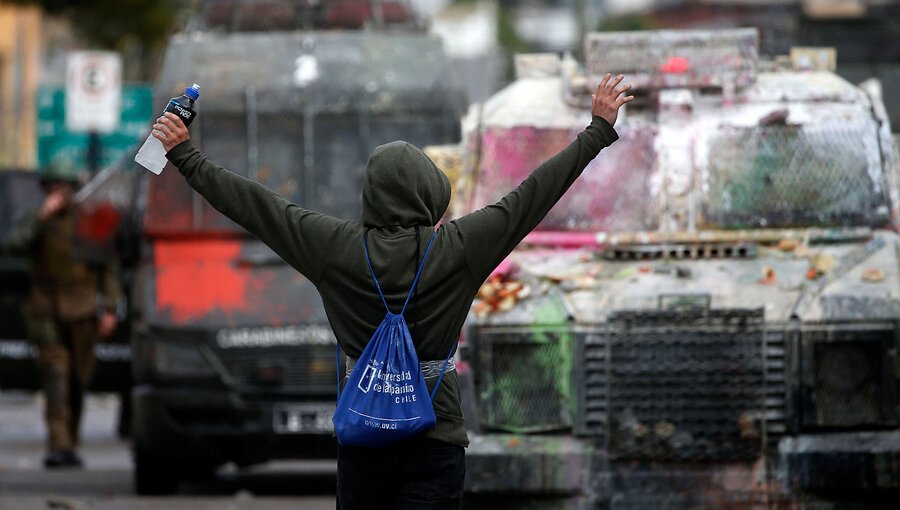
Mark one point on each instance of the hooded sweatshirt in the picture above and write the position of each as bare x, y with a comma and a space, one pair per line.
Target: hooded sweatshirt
404, 196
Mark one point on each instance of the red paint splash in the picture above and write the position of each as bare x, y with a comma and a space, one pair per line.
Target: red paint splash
98, 223
196, 277
676, 65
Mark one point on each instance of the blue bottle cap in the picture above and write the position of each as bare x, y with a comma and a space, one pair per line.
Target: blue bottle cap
193, 92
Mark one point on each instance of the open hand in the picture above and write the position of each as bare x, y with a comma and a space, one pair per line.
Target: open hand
609, 98
170, 130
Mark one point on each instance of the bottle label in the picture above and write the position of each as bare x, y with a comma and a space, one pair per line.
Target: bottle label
187, 115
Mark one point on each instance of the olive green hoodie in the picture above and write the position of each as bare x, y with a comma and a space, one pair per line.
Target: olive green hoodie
404, 197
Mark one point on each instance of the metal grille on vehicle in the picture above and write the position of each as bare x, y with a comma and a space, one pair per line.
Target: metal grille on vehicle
526, 378
681, 385
776, 403
739, 250
307, 368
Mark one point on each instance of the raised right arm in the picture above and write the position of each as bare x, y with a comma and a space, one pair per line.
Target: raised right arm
496, 229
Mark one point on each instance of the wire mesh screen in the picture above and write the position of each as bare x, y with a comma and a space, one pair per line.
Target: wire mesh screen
300, 112
793, 176
525, 379
318, 161
676, 385
104, 212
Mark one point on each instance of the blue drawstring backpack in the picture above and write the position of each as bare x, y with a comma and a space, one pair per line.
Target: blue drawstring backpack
386, 399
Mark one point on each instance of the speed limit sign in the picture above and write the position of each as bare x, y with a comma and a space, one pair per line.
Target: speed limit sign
93, 91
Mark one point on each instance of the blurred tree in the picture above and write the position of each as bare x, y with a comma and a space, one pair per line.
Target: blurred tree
627, 22
507, 35
138, 29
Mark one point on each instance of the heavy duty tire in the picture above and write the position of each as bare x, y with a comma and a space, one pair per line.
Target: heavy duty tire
153, 476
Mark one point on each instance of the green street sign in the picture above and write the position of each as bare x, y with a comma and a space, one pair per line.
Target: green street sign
55, 141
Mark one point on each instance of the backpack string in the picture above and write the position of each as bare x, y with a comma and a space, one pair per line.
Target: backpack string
415, 280
418, 273
416, 298
443, 369
369, 263
337, 362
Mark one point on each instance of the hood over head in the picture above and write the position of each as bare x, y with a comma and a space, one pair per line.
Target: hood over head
403, 187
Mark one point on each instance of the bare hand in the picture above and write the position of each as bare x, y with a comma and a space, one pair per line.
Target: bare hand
170, 130
53, 203
609, 98
107, 324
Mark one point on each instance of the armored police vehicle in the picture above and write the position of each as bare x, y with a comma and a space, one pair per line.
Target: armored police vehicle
709, 317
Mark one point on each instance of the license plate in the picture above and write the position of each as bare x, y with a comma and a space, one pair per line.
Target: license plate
297, 419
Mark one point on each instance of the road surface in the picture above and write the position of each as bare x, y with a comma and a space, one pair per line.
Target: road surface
105, 482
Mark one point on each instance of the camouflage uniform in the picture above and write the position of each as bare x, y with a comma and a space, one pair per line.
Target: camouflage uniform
61, 316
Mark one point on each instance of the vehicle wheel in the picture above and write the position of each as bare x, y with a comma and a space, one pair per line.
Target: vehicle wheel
153, 476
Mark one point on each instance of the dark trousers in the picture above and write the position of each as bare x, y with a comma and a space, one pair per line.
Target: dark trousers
67, 366
419, 474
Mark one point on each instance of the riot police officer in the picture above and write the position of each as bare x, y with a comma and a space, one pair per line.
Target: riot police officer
71, 303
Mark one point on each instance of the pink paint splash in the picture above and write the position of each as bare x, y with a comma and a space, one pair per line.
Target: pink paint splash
613, 194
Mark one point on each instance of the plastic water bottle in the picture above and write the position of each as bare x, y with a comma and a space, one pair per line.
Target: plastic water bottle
152, 154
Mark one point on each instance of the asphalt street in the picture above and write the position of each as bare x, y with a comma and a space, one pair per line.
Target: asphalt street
105, 482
